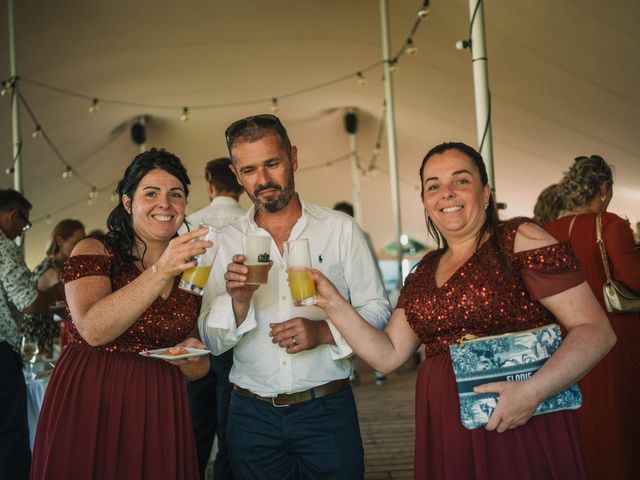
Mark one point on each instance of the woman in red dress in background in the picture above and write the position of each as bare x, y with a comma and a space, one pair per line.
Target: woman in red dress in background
109, 412
488, 278
610, 416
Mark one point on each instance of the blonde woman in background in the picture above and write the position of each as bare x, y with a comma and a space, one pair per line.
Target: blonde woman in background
63, 238
609, 417
549, 205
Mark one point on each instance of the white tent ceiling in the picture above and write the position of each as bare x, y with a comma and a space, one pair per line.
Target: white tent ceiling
563, 77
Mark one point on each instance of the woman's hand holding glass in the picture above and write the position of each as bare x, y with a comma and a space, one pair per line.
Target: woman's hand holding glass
327, 295
178, 256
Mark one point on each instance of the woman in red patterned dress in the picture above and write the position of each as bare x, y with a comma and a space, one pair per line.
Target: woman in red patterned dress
487, 278
109, 412
609, 418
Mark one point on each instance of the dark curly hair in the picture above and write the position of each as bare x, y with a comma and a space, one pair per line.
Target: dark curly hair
121, 235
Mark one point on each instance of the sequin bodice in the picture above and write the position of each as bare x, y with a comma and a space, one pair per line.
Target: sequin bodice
164, 324
480, 297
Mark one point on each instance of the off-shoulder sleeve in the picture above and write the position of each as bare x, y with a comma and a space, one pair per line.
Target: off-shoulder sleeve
85, 265
549, 270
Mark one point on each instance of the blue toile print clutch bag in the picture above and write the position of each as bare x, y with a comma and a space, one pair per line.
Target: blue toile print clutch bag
509, 357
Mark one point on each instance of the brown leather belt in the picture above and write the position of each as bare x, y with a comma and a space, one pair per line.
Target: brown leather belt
286, 399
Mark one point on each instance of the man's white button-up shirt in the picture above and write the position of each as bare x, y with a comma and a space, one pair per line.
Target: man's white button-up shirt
339, 251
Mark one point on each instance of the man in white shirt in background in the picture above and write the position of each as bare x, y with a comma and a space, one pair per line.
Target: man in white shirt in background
292, 412
209, 396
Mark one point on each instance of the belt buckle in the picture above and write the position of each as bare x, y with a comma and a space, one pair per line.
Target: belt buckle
273, 402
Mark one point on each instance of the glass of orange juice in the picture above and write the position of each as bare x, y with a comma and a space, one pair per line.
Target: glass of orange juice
194, 279
303, 290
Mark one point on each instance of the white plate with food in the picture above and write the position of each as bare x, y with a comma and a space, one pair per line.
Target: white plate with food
174, 353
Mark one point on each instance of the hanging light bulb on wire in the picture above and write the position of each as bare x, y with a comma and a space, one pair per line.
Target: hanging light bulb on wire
4, 88
68, 172
425, 10
37, 132
362, 80
93, 194
411, 47
275, 108
95, 106
185, 114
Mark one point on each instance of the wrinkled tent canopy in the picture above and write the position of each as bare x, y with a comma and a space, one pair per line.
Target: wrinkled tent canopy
563, 78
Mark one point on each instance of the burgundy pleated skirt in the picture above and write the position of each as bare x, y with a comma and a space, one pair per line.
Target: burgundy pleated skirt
114, 415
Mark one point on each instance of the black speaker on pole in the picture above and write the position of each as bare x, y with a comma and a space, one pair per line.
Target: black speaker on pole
351, 123
138, 133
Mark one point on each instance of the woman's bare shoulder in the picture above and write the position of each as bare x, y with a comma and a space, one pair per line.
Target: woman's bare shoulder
89, 246
531, 236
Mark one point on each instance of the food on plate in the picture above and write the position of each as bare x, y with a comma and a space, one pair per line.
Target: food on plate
175, 351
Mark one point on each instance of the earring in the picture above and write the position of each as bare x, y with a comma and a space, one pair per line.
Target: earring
486, 205
603, 198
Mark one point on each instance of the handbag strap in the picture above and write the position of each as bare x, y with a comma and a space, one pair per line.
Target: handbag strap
603, 252
573, 220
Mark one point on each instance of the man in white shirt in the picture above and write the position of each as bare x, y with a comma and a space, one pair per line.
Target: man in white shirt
209, 396
292, 412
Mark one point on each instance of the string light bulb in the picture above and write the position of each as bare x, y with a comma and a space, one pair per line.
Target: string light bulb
9, 171
425, 10
95, 106
93, 194
37, 132
4, 88
185, 114
411, 47
362, 80
275, 107
68, 173
393, 65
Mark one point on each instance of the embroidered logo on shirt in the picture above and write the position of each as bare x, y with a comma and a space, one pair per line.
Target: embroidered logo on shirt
320, 258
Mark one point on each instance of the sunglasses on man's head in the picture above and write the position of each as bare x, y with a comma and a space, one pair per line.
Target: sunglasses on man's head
592, 157
238, 127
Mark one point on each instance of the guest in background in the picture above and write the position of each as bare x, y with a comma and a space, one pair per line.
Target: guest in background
484, 280
18, 294
609, 417
109, 412
46, 274
209, 396
548, 206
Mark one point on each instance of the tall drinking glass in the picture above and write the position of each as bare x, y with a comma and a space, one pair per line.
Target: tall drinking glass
298, 257
194, 279
256, 249
29, 350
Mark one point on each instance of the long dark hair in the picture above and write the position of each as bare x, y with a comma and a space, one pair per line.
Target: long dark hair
491, 223
121, 236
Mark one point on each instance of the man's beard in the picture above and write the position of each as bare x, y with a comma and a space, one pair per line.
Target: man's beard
274, 203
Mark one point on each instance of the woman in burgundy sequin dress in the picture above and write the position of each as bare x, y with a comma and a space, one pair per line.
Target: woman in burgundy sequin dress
609, 418
109, 412
488, 278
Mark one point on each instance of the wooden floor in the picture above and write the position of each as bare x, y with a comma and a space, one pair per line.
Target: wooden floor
387, 426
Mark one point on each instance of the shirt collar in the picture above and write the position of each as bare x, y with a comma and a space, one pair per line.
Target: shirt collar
308, 209
224, 200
